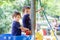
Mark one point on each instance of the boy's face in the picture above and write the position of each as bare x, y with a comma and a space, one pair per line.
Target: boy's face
27, 11
17, 18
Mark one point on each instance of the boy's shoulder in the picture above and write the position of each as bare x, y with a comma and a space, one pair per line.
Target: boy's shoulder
26, 15
15, 22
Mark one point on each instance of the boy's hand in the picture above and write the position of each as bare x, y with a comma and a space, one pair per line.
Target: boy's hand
26, 30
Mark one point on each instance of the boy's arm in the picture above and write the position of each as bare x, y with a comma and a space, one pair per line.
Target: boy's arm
24, 29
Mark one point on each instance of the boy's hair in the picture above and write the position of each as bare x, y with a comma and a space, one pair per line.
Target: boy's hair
15, 14
26, 7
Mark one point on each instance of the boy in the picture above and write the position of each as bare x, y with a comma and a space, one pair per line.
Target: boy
26, 18
16, 27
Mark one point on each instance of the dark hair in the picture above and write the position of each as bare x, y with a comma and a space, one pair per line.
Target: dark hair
26, 7
15, 14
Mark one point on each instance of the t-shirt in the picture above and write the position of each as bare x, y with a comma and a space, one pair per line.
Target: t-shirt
16, 31
26, 21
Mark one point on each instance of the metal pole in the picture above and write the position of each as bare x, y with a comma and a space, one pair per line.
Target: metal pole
33, 17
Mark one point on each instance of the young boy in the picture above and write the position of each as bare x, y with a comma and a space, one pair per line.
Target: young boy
16, 27
26, 18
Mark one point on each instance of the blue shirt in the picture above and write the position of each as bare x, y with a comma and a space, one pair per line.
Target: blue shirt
26, 21
16, 31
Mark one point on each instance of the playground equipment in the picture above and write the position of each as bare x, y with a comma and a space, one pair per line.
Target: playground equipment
10, 37
6, 37
51, 32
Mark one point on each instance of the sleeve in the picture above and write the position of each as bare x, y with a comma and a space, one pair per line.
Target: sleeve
25, 21
16, 25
